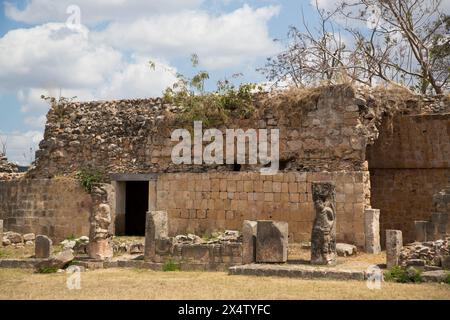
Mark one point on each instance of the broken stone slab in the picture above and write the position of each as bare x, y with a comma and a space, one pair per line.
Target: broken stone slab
271, 241
372, 230
415, 263
323, 235
345, 249
420, 228
249, 241
394, 244
434, 276
58, 261
42, 247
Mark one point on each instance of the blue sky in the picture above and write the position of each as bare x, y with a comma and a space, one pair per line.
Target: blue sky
42, 52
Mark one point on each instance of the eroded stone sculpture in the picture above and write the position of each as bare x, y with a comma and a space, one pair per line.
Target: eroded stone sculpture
323, 236
99, 237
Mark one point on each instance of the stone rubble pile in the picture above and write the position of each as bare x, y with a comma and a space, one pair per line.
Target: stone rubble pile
6, 166
428, 253
18, 240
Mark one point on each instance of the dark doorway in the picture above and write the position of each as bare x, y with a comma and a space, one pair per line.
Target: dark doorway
136, 206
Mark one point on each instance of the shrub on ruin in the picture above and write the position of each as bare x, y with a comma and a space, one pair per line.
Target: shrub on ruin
213, 108
403, 275
88, 178
447, 278
170, 265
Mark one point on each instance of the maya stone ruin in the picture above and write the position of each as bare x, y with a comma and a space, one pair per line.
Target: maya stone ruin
357, 166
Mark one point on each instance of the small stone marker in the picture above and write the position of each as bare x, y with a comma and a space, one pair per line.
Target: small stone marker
372, 230
420, 231
394, 244
1, 233
249, 241
323, 235
43, 247
271, 241
156, 227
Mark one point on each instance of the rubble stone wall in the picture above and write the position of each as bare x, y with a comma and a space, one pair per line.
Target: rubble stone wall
408, 164
58, 208
325, 129
204, 202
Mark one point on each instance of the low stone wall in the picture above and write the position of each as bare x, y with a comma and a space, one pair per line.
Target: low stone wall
204, 202
58, 207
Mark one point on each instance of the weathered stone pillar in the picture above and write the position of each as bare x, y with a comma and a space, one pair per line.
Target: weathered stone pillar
271, 241
372, 230
323, 235
394, 244
420, 231
42, 247
249, 241
99, 246
1, 233
156, 228
152, 195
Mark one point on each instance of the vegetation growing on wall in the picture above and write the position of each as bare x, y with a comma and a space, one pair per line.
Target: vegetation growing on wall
88, 177
212, 108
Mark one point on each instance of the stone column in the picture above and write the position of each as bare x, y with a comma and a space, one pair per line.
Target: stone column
372, 230
42, 247
99, 246
271, 241
152, 195
394, 244
323, 235
156, 228
249, 241
420, 231
1, 233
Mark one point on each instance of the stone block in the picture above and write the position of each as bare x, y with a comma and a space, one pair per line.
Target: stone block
271, 241
445, 262
420, 228
1, 233
394, 244
196, 252
249, 241
43, 247
156, 227
372, 230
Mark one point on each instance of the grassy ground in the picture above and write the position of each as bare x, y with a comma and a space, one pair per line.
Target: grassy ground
145, 284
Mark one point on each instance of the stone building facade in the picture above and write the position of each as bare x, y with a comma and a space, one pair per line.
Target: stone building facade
324, 135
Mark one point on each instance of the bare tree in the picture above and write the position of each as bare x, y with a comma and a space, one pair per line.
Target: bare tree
404, 41
4, 143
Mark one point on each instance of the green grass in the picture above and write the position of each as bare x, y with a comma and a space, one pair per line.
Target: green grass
403, 275
171, 266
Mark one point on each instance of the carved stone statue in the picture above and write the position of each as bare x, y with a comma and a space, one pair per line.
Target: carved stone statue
323, 236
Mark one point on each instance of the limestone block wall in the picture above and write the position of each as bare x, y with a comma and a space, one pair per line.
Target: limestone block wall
57, 207
204, 202
409, 163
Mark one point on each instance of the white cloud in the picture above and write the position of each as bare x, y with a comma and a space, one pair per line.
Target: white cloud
22, 145
52, 56
220, 40
93, 12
